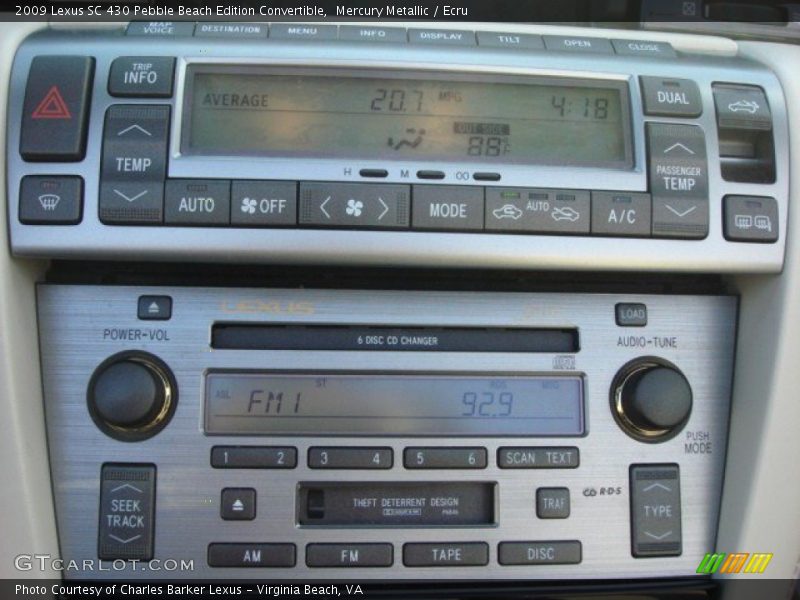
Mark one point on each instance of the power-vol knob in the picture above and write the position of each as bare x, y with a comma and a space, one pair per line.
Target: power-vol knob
651, 399
132, 396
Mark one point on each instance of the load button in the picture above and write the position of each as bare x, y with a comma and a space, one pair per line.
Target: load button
127, 508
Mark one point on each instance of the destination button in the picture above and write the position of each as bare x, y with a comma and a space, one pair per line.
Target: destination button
527, 457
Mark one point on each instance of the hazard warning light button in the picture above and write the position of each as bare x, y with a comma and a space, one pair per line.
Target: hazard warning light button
56, 111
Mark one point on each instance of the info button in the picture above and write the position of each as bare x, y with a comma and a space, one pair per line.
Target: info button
448, 207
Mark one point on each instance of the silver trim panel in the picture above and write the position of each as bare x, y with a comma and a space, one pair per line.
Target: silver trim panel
77, 325
92, 239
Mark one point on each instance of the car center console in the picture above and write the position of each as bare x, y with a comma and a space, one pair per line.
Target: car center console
390, 434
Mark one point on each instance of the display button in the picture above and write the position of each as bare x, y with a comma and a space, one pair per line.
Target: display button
253, 457
671, 97
678, 180
442, 37
354, 205
539, 553
588, 45
356, 33
534, 210
644, 48
45, 200
448, 207
241, 555
349, 555
750, 219
742, 107
232, 31
621, 214
350, 458
281, 31
499, 39
127, 511
238, 504
538, 458
655, 510
55, 116
154, 308
160, 28
264, 203
197, 202
552, 503
458, 554
630, 314
444, 458
141, 76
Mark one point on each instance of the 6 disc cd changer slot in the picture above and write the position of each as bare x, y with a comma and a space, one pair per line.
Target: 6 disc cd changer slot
261, 336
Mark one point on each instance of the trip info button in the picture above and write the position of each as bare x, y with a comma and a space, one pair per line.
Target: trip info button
127, 509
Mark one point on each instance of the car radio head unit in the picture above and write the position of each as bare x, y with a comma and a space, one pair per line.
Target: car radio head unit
375, 433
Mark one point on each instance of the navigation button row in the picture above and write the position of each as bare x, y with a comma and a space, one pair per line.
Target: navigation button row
310, 32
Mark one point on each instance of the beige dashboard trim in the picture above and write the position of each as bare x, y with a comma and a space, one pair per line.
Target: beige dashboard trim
27, 519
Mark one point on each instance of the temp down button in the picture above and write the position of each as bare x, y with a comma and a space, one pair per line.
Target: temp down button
127, 510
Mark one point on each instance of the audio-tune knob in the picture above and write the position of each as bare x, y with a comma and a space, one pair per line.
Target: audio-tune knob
132, 396
651, 399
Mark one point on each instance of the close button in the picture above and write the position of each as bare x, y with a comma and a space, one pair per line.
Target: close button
56, 110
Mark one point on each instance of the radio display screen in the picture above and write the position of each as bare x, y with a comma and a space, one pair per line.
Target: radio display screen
330, 113
398, 405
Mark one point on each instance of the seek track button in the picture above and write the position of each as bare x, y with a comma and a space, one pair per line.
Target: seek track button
127, 510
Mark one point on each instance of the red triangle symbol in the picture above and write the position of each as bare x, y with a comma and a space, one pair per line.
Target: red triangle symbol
52, 106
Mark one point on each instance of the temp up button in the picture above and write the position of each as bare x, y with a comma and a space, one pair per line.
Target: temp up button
127, 511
